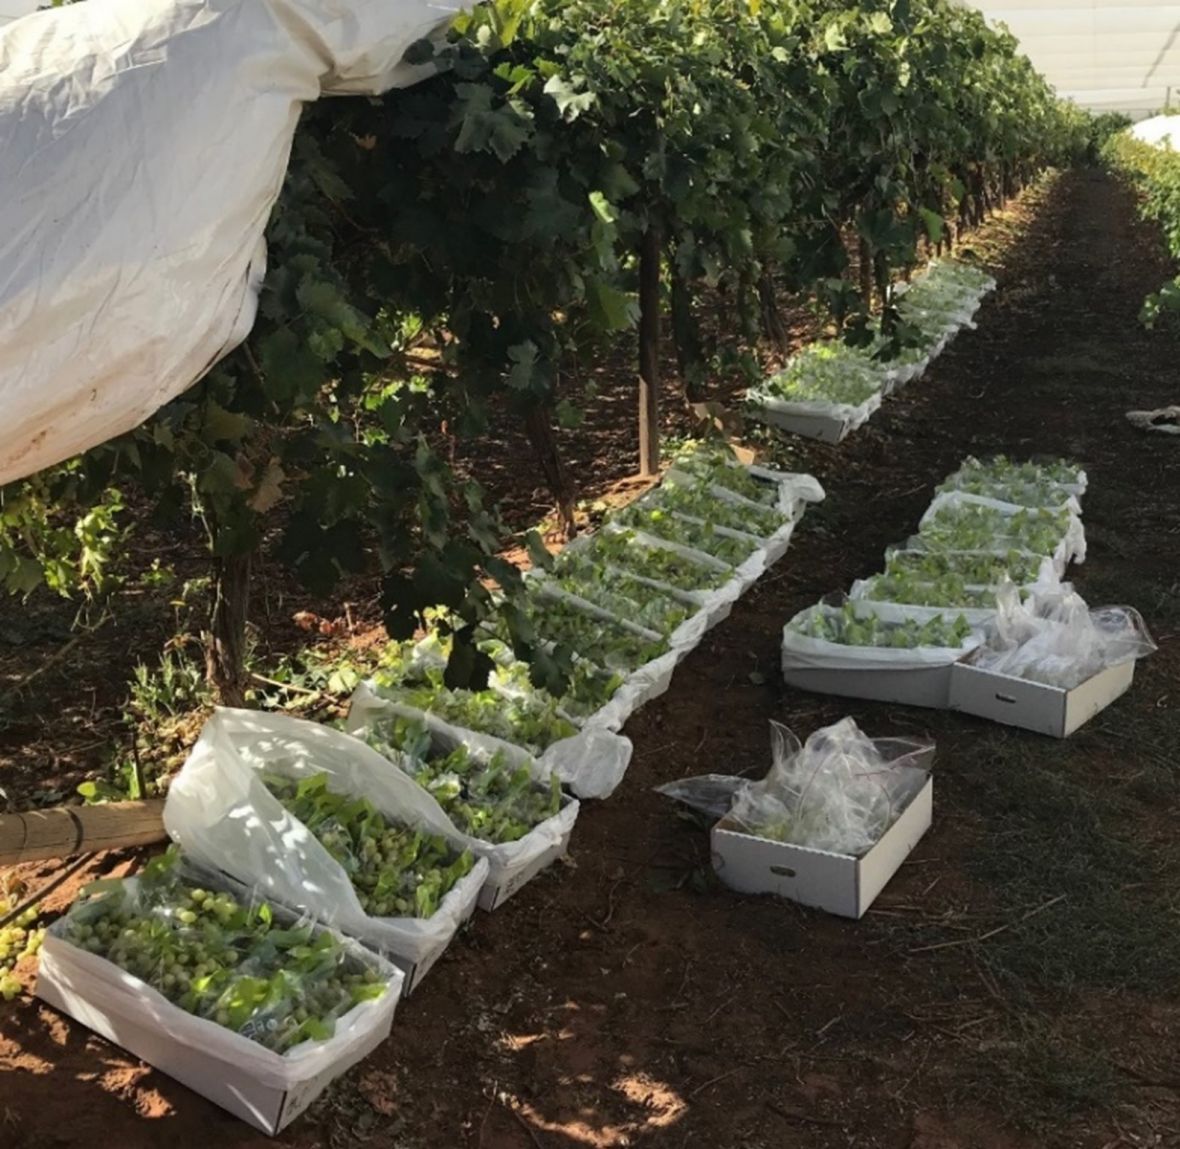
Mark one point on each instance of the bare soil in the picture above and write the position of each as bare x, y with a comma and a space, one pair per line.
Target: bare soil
625, 999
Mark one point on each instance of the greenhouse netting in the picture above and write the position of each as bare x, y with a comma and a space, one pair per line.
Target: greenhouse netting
1105, 56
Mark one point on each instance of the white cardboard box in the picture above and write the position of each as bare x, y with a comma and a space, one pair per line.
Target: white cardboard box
1034, 705
415, 971
923, 686
826, 428
497, 891
137, 1018
836, 883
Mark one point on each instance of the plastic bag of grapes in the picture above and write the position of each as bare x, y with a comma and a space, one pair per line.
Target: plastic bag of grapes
840, 638
1055, 638
241, 1000
320, 822
839, 791
590, 762
507, 807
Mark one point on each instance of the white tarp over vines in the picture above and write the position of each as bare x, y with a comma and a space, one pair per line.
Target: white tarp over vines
143, 144
1116, 56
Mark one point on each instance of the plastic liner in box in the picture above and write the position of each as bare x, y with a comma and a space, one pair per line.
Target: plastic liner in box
263, 1087
222, 815
510, 864
1072, 547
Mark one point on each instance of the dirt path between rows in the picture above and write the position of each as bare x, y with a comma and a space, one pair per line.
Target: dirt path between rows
627, 1000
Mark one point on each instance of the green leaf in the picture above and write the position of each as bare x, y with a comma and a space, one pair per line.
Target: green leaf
933, 223
502, 131
224, 426
603, 208
568, 416
570, 101
610, 308
539, 554
523, 357
290, 370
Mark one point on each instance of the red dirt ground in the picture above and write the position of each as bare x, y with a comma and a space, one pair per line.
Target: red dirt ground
626, 1000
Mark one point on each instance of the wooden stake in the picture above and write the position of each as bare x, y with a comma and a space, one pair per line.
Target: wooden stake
65, 830
649, 352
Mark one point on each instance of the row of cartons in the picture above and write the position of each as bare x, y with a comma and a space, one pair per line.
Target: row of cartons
263, 1088
846, 885
960, 686
255, 852
957, 683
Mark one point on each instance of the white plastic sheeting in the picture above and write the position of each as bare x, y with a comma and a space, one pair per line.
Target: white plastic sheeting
13, 9
143, 144
1163, 131
1116, 56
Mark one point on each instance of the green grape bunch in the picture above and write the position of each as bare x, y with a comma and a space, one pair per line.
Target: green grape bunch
974, 569
600, 640
846, 628
525, 715
622, 548
715, 465
19, 939
1001, 473
977, 527
618, 592
950, 590
830, 372
588, 690
485, 797
701, 536
221, 960
397, 871
699, 502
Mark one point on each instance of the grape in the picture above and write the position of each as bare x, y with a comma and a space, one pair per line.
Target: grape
933, 306
485, 798
396, 870
700, 502
844, 627
948, 591
622, 548
601, 640
619, 593
831, 372
1000, 475
980, 569
220, 960
701, 536
18, 940
589, 688
976, 527
713, 463
524, 716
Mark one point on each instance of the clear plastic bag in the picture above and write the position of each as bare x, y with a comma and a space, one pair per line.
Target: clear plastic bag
1056, 639
223, 815
840, 791
711, 794
272, 977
